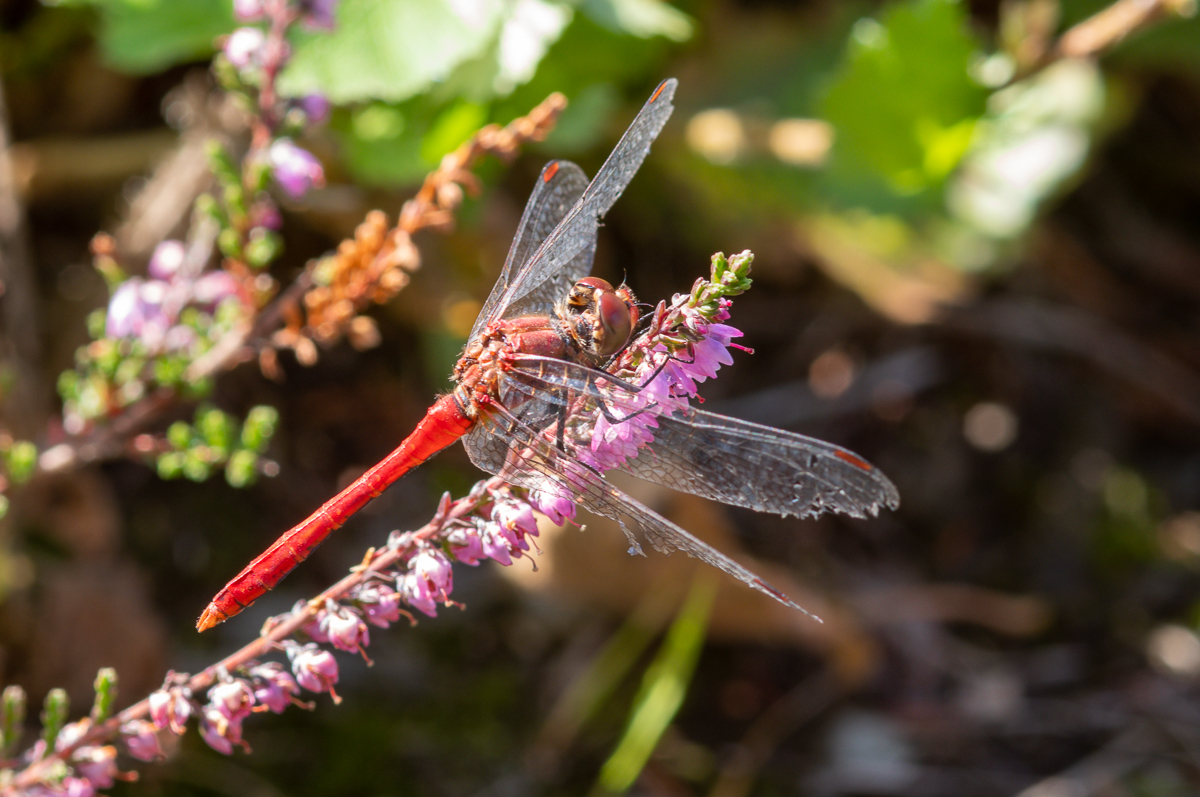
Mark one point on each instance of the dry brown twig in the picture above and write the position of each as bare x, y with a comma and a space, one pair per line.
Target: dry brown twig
375, 264
1111, 26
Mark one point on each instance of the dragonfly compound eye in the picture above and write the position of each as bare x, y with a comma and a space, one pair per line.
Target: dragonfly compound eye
603, 316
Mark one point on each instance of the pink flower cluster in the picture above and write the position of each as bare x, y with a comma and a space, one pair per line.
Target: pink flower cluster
685, 345
268, 686
498, 526
92, 767
148, 309
253, 53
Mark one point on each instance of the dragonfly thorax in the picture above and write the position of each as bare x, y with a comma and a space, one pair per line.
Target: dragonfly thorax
598, 318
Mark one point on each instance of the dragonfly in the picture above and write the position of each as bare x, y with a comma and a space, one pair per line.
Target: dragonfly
537, 350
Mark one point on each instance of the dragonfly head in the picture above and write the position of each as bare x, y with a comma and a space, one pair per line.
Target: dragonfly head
601, 317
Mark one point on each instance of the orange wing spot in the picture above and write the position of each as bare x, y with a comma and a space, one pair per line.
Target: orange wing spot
658, 91
853, 460
551, 170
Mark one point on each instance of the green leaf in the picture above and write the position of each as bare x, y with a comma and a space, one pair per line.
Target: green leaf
259, 427
904, 105
641, 18
170, 464
216, 428
20, 460
387, 50
241, 469
144, 36
663, 688
454, 126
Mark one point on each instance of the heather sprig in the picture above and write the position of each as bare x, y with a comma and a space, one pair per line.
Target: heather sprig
684, 343
412, 574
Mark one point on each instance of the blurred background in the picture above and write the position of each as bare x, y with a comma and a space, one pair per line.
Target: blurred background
977, 239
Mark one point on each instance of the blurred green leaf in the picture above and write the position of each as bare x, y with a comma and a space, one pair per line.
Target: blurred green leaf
663, 688
241, 470
381, 144
387, 50
452, 127
260, 425
144, 36
642, 18
904, 105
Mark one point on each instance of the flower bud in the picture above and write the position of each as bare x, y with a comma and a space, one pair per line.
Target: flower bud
248, 10
141, 740
167, 259
244, 47
296, 170
316, 670
171, 708
276, 686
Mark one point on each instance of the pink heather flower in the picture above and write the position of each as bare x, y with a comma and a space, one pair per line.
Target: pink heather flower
244, 47
465, 545
315, 627
248, 10
494, 545
380, 604
516, 521
316, 108
124, 310
417, 593
141, 740
320, 13
296, 170
214, 287
553, 503
433, 566
97, 765
316, 670
167, 259
276, 686
136, 310
171, 708
69, 786
219, 731
179, 338
346, 630
78, 787
233, 699
71, 733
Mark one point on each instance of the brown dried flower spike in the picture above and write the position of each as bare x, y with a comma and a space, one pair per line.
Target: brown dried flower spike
374, 266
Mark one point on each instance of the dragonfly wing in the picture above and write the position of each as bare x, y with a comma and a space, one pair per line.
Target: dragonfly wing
728, 460
557, 190
534, 461
759, 467
576, 234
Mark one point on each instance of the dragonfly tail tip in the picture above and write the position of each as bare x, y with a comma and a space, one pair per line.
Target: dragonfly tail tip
212, 616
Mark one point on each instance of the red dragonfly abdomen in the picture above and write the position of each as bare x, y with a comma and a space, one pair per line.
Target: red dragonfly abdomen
442, 425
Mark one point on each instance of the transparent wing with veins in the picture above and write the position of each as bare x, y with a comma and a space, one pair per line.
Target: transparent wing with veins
728, 460
534, 436
534, 461
556, 191
565, 255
